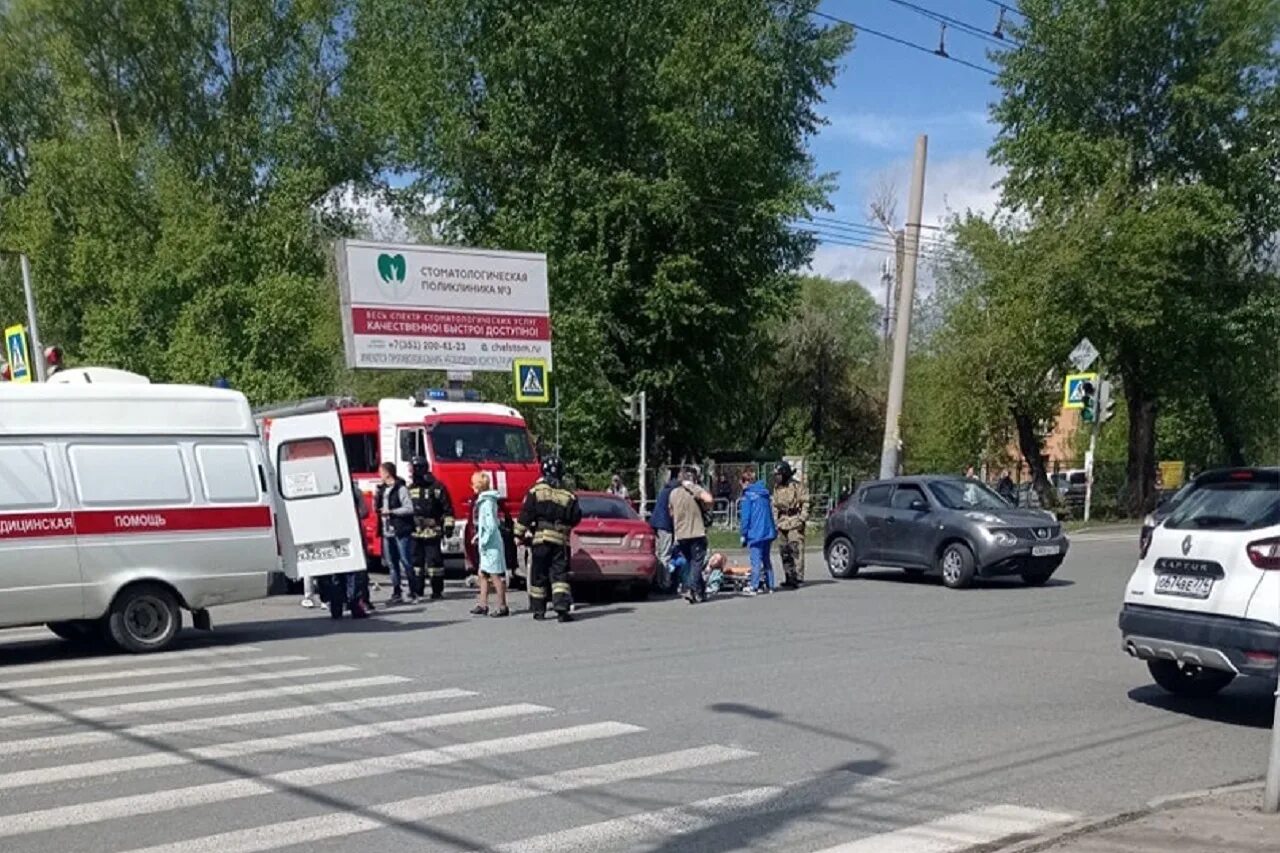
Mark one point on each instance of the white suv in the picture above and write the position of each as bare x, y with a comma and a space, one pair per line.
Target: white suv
1203, 605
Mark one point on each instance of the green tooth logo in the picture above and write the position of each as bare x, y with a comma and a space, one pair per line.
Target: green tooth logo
391, 271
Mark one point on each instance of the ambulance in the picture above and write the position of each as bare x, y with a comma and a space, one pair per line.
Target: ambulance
124, 503
457, 434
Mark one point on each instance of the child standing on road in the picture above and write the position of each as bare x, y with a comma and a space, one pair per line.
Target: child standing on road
491, 550
755, 521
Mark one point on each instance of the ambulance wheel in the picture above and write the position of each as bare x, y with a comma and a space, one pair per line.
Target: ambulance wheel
77, 631
144, 618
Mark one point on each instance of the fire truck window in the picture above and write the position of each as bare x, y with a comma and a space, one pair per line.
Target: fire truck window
411, 444
362, 452
308, 469
465, 442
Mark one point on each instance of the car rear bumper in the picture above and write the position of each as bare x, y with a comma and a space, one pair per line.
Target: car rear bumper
599, 567
1204, 639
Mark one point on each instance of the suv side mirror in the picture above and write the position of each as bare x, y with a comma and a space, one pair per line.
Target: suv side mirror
919, 505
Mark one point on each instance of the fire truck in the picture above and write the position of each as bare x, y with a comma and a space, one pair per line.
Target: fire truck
456, 432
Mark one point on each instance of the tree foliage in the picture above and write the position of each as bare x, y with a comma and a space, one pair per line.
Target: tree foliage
654, 150
1143, 137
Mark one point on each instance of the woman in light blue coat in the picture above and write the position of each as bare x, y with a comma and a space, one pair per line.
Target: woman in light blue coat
489, 546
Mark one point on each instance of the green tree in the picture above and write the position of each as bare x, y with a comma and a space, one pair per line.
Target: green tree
654, 150
1144, 133
166, 172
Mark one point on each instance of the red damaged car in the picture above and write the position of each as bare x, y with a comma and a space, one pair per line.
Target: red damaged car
612, 544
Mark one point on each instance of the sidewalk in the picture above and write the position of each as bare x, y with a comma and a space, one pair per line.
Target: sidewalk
1226, 821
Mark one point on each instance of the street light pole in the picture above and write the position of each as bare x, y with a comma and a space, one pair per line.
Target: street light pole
902, 334
33, 328
644, 418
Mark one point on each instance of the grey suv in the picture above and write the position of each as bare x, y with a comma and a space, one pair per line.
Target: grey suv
952, 526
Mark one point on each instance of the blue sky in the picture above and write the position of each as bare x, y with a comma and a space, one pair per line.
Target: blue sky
884, 96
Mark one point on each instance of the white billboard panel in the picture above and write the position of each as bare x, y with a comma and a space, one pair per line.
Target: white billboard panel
441, 307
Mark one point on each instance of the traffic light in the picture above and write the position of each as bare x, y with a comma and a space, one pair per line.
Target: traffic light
1106, 408
1088, 402
631, 407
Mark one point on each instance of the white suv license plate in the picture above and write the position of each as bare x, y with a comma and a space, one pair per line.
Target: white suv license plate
1188, 586
313, 553
1045, 550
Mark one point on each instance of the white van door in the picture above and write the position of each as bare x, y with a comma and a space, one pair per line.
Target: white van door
319, 528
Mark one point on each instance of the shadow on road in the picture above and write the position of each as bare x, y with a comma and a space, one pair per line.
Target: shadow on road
1012, 582
1248, 703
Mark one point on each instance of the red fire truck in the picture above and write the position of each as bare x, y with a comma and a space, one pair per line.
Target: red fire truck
458, 435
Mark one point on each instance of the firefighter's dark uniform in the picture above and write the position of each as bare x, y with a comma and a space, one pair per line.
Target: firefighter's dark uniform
549, 512
433, 520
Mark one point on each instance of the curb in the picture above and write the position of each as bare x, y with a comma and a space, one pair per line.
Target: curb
1088, 826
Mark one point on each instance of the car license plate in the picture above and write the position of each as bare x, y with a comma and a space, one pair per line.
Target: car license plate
1189, 586
333, 551
600, 541
1045, 550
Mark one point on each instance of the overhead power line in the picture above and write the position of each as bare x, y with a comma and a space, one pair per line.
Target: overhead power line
939, 51
996, 36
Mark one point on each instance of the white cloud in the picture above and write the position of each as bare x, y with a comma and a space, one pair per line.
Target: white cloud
955, 185
890, 131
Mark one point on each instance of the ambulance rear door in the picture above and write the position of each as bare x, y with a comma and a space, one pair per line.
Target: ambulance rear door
315, 502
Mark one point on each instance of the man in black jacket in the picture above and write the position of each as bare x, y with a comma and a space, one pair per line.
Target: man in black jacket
395, 510
433, 520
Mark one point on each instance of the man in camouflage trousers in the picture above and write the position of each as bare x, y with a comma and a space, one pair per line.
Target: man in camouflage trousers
790, 514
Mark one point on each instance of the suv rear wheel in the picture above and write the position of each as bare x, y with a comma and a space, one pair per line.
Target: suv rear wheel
841, 559
1185, 679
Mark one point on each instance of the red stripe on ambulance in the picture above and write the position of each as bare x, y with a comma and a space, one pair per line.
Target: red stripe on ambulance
123, 522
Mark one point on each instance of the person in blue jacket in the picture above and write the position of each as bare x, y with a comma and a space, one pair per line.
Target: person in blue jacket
755, 521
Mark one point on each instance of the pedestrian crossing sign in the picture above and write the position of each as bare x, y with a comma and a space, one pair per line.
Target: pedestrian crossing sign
15, 350
532, 385
1073, 389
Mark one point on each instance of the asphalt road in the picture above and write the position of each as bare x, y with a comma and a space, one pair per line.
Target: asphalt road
877, 714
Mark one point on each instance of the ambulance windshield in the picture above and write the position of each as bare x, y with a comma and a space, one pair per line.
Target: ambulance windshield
471, 442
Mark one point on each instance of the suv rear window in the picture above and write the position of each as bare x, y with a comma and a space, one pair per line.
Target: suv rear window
1229, 504
877, 495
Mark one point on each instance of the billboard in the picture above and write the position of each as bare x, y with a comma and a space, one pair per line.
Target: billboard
442, 308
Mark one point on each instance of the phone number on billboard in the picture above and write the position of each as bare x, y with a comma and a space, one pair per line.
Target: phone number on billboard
427, 346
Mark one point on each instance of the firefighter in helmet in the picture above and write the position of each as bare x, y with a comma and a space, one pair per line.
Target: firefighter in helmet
790, 515
549, 512
433, 519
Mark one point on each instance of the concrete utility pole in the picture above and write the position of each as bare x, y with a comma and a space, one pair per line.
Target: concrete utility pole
33, 327
644, 422
1271, 796
889, 452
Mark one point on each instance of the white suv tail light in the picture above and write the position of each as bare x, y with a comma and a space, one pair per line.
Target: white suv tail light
1265, 553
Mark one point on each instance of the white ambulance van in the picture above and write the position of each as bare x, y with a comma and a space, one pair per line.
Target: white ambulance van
123, 503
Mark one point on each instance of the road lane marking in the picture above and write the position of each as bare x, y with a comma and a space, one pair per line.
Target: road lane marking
419, 809
166, 686
627, 832
173, 799
111, 712
275, 743
151, 672
295, 712
958, 831
116, 660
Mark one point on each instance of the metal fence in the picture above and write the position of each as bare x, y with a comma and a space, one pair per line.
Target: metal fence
826, 483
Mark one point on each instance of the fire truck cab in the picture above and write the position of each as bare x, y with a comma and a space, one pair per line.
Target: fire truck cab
455, 432
458, 438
